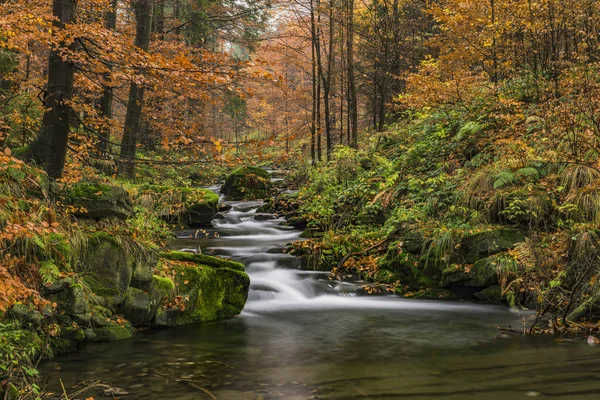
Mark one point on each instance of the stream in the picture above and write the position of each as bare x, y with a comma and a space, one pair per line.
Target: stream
302, 336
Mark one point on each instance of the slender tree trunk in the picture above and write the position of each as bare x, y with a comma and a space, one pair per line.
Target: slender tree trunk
49, 149
353, 108
105, 102
313, 127
326, 80
143, 16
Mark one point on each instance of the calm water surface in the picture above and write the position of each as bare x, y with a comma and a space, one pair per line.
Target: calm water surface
302, 336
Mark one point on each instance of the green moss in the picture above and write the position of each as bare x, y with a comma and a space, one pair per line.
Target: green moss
202, 259
114, 332
165, 285
247, 183
88, 190
211, 293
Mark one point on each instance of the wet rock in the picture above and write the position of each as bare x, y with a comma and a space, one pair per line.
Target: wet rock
225, 207
210, 293
492, 294
264, 217
114, 331
137, 307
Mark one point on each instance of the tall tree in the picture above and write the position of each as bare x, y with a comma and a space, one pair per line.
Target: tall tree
105, 102
143, 15
49, 149
352, 101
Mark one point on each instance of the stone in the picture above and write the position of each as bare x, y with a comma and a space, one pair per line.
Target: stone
492, 294
26, 315
84, 320
114, 331
143, 269
138, 307
57, 286
209, 293
201, 214
94, 200
484, 244
106, 267
247, 183
71, 301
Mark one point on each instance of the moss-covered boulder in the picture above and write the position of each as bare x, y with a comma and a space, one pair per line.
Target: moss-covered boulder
204, 293
247, 183
405, 267
114, 330
492, 294
484, 244
191, 207
94, 200
106, 267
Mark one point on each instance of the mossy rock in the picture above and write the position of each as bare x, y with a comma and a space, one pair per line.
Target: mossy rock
143, 269
247, 183
199, 205
70, 301
483, 273
408, 269
95, 200
114, 331
106, 267
492, 294
210, 261
484, 244
209, 293
138, 307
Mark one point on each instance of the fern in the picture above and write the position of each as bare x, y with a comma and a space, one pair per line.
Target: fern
503, 179
468, 129
528, 172
49, 272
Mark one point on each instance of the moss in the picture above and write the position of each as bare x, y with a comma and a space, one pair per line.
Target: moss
88, 190
247, 183
202, 259
161, 284
211, 293
114, 331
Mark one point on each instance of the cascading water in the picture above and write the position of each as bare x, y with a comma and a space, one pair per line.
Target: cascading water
259, 241
301, 336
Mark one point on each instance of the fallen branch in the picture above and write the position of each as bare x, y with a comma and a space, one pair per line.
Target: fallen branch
358, 253
192, 384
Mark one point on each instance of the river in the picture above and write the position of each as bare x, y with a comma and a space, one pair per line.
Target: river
302, 336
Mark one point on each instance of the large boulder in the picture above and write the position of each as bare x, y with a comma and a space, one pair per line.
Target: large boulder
94, 200
106, 267
191, 207
204, 293
484, 244
247, 183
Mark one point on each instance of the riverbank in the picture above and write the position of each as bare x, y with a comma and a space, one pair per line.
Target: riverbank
88, 262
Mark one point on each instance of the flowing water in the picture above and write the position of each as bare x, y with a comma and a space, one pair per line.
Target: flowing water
302, 336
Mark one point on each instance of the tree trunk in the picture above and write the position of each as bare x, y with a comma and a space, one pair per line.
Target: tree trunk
313, 127
49, 149
352, 106
105, 102
143, 16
